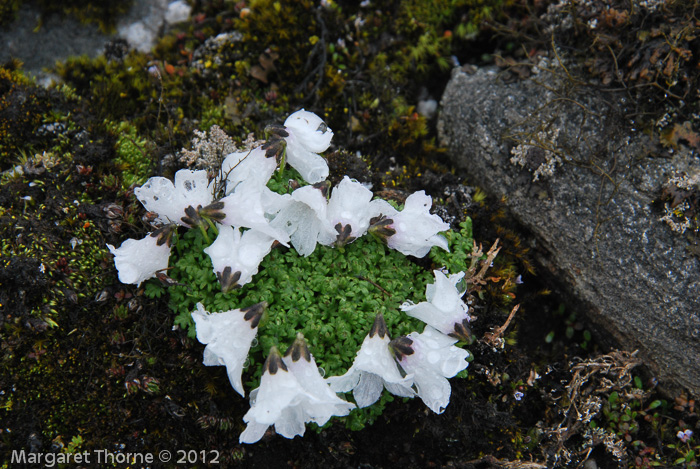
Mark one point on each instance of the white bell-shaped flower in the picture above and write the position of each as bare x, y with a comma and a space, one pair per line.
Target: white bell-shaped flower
320, 403
310, 130
373, 369
303, 218
250, 165
274, 402
248, 207
169, 201
308, 136
349, 212
431, 358
444, 310
291, 393
414, 230
228, 336
235, 257
137, 260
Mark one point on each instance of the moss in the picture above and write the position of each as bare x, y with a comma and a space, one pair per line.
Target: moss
21, 108
212, 114
8, 11
104, 13
132, 156
262, 65
66, 333
66, 263
284, 28
115, 89
405, 46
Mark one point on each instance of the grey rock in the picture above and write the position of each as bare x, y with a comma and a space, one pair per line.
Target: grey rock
592, 220
60, 37
40, 47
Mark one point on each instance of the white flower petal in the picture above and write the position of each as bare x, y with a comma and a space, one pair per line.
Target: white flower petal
368, 390
313, 197
433, 389
158, 195
321, 403
242, 253
253, 432
434, 359
444, 308
346, 382
291, 393
401, 390
349, 205
429, 314
299, 221
308, 136
443, 293
170, 200
311, 166
228, 337
416, 228
139, 260
275, 402
381, 207
275, 394
212, 359
272, 202
374, 367
250, 165
310, 130
244, 208
291, 422
193, 187
375, 357
303, 218
439, 241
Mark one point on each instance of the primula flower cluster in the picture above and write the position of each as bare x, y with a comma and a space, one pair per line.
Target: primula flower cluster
250, 219
421, 361
306, 217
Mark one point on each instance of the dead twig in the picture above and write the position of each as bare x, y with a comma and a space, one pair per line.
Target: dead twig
360, 277
473, 278
495, 338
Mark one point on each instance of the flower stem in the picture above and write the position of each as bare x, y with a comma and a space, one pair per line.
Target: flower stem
203, 229
212, 225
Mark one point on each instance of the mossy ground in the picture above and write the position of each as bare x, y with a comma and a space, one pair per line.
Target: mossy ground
89, 360
104, 13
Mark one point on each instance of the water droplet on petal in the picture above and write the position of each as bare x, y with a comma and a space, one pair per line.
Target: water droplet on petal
433, 357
